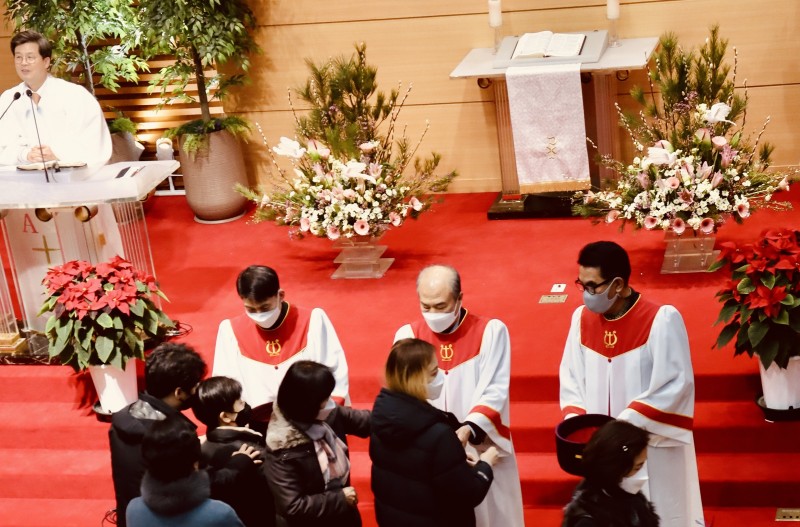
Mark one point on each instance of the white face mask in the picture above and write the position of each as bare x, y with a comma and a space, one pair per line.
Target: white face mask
633, 484
266, 319
326, 411
439, 322
599, 303
435, 386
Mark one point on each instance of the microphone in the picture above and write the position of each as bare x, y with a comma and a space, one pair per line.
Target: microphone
29, 93
17, 95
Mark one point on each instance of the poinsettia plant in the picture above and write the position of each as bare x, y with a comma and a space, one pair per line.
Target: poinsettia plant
761, 301
101, 314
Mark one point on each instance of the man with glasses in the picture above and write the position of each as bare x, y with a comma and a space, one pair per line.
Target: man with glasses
69, 119
628, 357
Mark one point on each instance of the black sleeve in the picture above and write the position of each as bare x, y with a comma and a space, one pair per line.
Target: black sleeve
354, 422
227, 480
478, 435
454, 479
585, 521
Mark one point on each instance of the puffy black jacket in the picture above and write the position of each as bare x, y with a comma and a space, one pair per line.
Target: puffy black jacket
128, 427
593, 506
420, 474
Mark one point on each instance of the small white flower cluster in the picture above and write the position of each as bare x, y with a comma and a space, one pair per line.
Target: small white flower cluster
340, 198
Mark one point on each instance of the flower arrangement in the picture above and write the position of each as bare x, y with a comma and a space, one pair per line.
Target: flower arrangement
694, 166
760, 302
101, 313
350, 174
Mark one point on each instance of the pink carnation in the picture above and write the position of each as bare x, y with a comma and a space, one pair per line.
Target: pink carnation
611, 216
333, 232
361, 227
678, 226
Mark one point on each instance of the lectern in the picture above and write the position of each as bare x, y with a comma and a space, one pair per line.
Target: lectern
80, 214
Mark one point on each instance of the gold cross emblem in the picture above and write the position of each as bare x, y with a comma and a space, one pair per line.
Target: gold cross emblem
551, 146
446, 352
46, 249
610, 339
273, 348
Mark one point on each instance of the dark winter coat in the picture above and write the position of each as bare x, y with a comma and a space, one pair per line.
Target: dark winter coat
248, 493
128, 427
295, 478
593, 506
420, 474
179, 503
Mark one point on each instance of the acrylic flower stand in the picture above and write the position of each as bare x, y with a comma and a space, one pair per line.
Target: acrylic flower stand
690, 252
360, 257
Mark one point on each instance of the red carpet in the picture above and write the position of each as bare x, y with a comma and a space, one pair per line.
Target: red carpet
55, 468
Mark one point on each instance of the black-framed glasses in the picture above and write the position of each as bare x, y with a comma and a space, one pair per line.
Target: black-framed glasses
590, 288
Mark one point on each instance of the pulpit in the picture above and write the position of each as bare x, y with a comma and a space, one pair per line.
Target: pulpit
480, 64
79, 214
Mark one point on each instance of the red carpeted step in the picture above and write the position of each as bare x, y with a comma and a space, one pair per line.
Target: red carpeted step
65, 425
47, 512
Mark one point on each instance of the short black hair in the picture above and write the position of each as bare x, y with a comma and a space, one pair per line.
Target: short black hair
172, 366
611, 452
170, 449
304, 387
258, 282
214, 396
23, 37
609, 257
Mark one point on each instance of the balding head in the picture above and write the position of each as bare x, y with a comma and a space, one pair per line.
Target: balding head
439, 288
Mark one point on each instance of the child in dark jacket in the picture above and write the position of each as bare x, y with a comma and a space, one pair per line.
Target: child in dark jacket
220, 407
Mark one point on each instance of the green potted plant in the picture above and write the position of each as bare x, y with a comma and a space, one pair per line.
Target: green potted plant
91, 38
124, 146
102, 315
202, 36
761, 310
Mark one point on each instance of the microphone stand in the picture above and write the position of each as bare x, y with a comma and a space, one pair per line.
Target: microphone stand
17, 95
29, 93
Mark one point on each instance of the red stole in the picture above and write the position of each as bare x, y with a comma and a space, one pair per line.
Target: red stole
612, 338
272, 346
457, 347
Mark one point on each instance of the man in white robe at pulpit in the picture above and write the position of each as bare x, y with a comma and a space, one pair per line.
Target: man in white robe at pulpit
50, 120
629, 358
474, 352
258, 346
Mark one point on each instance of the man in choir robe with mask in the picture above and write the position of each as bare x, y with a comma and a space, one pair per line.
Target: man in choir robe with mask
629, 358
258, 346
474, 355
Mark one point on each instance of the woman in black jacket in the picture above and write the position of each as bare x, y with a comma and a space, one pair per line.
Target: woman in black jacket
306, 464
420, 473
609, 495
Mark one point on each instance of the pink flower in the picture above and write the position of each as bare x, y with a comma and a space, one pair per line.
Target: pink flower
663, 143
305, 224
673, 182
588, 197
361, 227
707, 225
727, 156
704, 171
743, 210
686, 196
717, 179
415, 204
643, 179
611, 216
678, 226
316, 147
369, 146
395, 219
333, 232
349, 193
718, 141
650, 222
784, 184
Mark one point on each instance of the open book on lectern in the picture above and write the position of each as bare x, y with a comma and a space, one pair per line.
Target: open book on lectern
548, 44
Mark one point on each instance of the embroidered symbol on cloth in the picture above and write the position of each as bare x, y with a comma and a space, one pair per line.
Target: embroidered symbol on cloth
610, 339
273, 348
446, 352
552, 147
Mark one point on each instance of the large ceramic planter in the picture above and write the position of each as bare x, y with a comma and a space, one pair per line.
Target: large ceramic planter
210, 178
781, 386
116, 388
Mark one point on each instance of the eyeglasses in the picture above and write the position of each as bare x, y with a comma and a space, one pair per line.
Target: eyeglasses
591, 288
28, 59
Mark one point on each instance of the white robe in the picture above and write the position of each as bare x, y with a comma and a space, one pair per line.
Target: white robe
649, 384
260, 381
483, 381
69, 119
